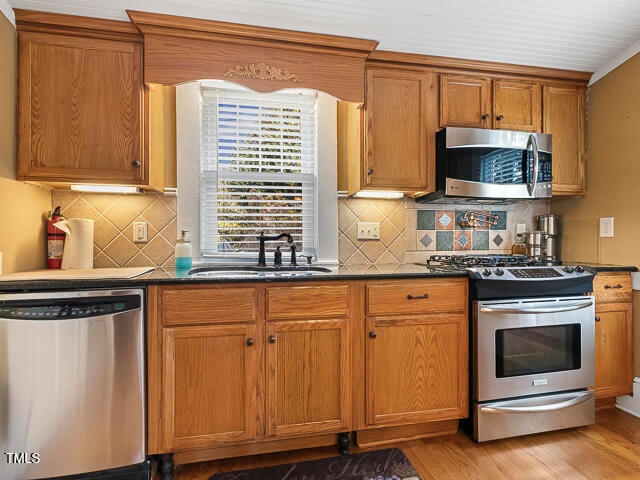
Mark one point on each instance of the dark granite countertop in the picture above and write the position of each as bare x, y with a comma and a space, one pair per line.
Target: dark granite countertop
170, 275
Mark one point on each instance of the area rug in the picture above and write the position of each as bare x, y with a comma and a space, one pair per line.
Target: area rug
389, 464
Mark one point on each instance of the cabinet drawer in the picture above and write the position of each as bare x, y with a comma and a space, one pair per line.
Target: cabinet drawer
612, 287
307, 302
197, 305
417, 296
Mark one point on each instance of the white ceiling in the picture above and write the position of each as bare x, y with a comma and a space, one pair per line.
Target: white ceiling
585, 35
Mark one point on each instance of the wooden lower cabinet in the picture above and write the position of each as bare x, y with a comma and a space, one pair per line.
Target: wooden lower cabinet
614, 337
247, 368
415, 337
308, 377
210, 377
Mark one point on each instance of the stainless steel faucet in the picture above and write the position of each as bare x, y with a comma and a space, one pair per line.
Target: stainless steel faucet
262, 261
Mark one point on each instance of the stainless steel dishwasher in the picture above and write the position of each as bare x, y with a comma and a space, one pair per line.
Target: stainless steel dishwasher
72, 385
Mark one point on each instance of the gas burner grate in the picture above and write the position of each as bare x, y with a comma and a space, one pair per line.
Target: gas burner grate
489, 260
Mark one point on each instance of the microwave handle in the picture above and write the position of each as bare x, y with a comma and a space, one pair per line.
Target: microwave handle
533, 143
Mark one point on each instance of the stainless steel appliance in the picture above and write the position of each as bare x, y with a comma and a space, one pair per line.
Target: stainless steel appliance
491, 164
533, 341
549, 225
72, 385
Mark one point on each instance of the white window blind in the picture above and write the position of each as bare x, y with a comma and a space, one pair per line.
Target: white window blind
258, 169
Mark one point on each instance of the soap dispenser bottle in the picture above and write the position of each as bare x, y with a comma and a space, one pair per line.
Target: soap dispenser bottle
184, 251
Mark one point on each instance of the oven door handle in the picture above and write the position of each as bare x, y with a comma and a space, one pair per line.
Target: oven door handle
503, 407
567, 308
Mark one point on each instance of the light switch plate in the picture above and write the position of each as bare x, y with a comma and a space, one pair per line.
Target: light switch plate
139, 232
368, 231
606, 227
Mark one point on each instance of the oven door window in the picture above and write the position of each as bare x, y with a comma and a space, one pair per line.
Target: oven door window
534, 350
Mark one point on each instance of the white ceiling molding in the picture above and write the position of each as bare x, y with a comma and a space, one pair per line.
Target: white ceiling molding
6, 9
615, 62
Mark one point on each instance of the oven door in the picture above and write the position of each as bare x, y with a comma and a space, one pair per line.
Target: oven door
533, 346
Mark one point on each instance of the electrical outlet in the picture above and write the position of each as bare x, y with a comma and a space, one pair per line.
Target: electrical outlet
368, 231
140, 232
606, 227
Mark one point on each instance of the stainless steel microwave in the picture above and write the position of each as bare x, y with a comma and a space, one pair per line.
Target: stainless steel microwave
475, 163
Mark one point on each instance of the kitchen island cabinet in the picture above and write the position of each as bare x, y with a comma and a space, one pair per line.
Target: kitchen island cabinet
614, 340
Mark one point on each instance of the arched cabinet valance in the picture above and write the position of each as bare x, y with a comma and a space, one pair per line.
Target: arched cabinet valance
180, 49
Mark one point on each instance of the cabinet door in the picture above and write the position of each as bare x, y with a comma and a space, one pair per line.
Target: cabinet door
516, 105
416, 370
210, 385
308, 377
401, 121
465, 101
564, 118
80, 109
614, 350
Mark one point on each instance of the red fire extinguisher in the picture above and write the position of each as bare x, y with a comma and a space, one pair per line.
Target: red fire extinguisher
55, 240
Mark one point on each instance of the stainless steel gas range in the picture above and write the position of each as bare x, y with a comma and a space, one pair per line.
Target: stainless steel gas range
532, 358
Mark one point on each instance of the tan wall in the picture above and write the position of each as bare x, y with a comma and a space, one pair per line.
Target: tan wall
613, 181
613, 173
22, 206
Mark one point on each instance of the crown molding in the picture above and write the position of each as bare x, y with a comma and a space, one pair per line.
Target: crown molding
6, 9
615, 62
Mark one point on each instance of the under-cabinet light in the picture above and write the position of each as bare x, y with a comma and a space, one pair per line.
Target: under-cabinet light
106, 189
382, 194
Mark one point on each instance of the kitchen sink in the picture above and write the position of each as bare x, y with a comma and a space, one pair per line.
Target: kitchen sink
249, 271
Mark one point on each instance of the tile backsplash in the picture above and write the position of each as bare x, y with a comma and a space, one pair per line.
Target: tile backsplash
113, 216
409, 231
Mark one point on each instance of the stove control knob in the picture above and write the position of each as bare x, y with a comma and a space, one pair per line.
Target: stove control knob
499, 272
579, 268
486, 272
568, 269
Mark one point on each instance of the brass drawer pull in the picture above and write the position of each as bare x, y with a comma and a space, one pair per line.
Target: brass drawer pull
411, 297
613, 286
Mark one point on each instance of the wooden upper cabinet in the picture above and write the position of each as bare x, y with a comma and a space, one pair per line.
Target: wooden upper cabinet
516, 105
400, 126
479, 102
80, 111
564, 118
465, 101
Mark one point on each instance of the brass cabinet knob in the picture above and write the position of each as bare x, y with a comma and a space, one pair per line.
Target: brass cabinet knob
250, 342
373, 334
272, 339
136, 163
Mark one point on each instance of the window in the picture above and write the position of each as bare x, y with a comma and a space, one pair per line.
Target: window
258, 163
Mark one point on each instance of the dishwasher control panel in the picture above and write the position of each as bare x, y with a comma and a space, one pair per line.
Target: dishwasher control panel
68, 308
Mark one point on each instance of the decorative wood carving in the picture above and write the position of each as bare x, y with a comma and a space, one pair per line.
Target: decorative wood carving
262, 71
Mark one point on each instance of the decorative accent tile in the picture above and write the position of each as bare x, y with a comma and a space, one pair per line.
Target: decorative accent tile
502, 220
462, 240
497, 240
444, 240
445, 220
480, 240
426, 219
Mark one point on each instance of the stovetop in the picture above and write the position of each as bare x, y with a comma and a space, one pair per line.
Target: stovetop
511, 276
462, 262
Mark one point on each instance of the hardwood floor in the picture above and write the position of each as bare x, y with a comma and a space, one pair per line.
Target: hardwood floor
608, 450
